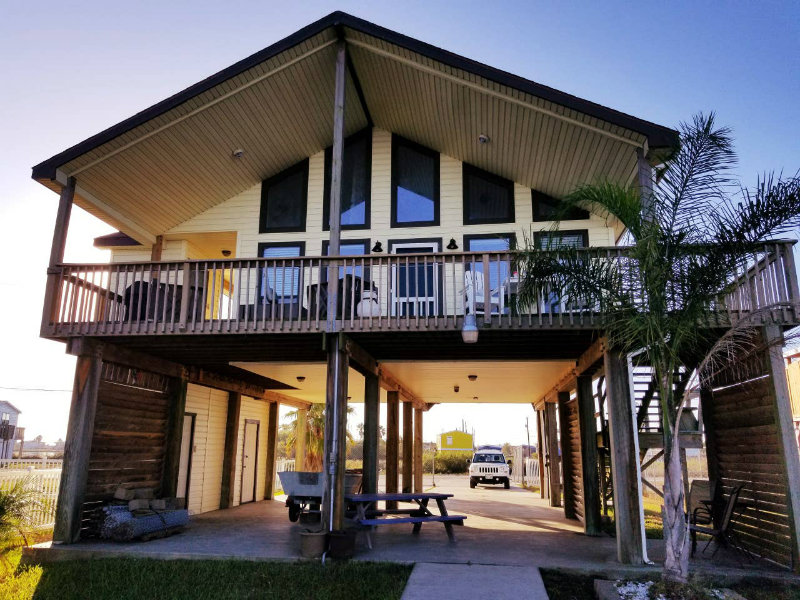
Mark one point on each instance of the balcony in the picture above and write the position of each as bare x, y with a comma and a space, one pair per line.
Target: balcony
374, 293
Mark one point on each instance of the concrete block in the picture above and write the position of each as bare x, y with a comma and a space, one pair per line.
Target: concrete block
138, 504
123, 494
143, 493
158, 504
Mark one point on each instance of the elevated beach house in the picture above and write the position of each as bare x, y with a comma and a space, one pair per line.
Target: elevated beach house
330, 219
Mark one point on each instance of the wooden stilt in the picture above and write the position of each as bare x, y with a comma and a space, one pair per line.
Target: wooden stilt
566, 456
418, 450
392, 442
553, 461
80, 428
172, 457
624, 461
335, 436
300, 440
588, 432
371, 423
272, 454
229, 453
57, 252
540, 451
408, 446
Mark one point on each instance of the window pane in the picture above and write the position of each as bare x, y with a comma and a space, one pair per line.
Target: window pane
355, 182
498, 270
346, 249
547, 208
487, 199
415, 178
283, 200
278, 280
561, 239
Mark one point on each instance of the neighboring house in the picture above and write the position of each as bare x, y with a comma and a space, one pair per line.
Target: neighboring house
456, 440
9, 415
792, 358
235, 285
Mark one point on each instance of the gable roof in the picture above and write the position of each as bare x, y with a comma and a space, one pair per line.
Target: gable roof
10, 406
378, 58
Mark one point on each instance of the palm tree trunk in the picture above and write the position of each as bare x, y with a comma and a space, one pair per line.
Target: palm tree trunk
676, 531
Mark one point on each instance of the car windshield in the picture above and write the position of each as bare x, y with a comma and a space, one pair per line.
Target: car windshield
489, 458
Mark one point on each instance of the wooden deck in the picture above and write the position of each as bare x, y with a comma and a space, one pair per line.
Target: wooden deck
374, 294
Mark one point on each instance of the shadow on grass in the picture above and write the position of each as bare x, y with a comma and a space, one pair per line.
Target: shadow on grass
123, 579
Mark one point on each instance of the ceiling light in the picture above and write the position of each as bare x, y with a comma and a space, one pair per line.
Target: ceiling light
475, 398
238, 153
300, 378
226, 253
472, 377
483, 139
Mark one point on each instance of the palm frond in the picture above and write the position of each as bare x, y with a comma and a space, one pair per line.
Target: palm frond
608, 199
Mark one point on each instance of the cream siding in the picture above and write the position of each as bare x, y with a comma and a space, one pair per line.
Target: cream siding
241, 213
205, 481
256, 410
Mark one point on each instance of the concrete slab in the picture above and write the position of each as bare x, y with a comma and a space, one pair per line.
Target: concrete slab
456, 582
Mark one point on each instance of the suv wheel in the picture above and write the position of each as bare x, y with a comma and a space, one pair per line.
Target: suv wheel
473, 482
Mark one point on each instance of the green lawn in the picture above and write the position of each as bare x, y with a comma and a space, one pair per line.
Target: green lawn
138, 579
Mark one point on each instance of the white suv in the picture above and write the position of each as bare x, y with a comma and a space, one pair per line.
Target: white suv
488, 465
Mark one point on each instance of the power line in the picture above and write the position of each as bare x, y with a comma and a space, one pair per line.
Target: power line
24, 389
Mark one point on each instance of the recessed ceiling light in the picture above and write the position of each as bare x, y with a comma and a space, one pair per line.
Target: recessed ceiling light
475, 398
238, 153
483, 139
301, 378
472, 377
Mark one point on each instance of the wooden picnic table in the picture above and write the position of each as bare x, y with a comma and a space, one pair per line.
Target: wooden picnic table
367, 513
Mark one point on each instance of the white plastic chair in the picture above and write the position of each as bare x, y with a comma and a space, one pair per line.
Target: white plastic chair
474, 293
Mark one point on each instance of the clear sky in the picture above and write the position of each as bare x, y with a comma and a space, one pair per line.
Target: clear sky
71, 69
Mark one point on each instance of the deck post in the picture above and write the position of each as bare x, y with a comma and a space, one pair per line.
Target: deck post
77, 449
392, 442
624, 461
587, 424
540, 451
566, 456
57, 253
172, 456
371, 423
227, 492
553, 466
418, 450
300, 440
338, 361
408, 446
272, 454
787, 442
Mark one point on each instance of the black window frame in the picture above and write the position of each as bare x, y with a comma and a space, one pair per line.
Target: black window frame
468, 237
326, 187
365, 241
537, 236
469, 170
572, 214
277, 178
264, 245
398, 141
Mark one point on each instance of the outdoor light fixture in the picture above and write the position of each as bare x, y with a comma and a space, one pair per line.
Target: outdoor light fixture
452, 245
483, 139
300, 379
469, 331
472, 377
377, 247
238, 153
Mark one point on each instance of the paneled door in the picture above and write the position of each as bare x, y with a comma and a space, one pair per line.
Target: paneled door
249, 461
416, 282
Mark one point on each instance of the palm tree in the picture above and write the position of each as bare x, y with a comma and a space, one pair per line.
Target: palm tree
315, 435
688, 238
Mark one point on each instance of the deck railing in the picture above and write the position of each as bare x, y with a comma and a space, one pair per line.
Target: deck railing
374, 293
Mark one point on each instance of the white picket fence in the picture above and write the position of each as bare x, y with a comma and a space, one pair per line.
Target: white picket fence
31, 463
524, 469
45, 482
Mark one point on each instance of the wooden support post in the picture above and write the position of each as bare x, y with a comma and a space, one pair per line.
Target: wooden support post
417, 450
712, 458
624, 461
372, 403
57, 254
334, 461
553, 461
300, 440
272, 451
227, 491
172, 456
773, 337
540, 451
566, 456
77, 449
392, 442
408, 446
157, 249
588, 432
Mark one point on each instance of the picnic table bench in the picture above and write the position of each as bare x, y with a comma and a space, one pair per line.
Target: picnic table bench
369, 515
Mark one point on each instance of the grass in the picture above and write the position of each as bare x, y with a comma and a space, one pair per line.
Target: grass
124, 578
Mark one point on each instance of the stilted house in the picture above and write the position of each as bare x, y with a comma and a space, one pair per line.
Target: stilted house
330, 219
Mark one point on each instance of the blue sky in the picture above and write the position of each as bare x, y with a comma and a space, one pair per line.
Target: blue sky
70, 69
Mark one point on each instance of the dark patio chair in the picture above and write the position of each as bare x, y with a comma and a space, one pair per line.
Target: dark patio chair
722, 535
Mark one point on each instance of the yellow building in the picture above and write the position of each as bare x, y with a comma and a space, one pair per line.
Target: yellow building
455, 440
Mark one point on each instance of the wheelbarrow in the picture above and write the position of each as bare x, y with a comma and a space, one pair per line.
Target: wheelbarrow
304, 490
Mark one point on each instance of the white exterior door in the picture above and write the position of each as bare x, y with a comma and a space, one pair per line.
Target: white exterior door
187, 443
415, 284
249, 461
